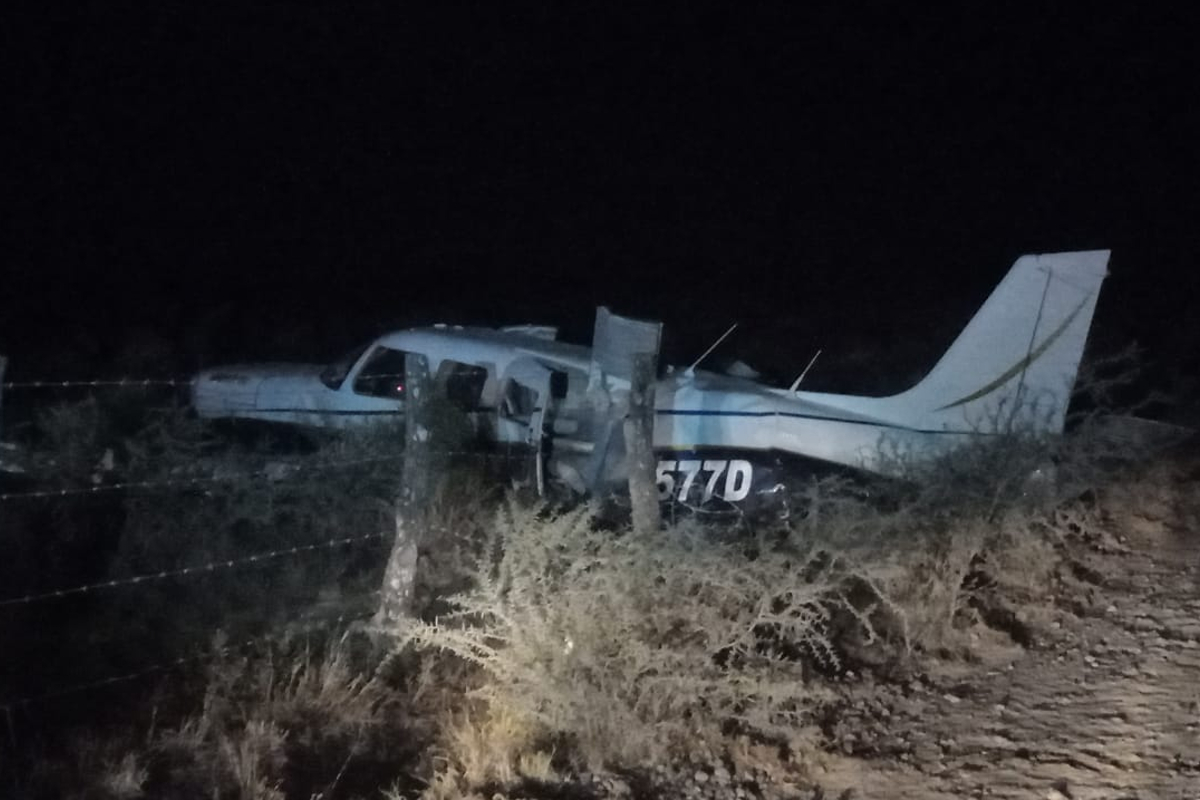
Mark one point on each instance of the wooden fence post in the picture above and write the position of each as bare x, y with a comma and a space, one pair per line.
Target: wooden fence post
639, 445
416, 484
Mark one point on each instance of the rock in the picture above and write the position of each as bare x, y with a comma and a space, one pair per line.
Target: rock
926, 753
700, 777
617, 787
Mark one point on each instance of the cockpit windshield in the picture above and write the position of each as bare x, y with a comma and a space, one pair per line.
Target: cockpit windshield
334, 374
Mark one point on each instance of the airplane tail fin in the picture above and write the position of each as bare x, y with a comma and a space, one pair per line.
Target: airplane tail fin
1013, 367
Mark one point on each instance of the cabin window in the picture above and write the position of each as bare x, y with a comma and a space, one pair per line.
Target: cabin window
463, 384
382, 375
333, 375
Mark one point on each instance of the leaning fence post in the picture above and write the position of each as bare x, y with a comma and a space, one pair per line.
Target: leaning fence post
639, 445
416, 483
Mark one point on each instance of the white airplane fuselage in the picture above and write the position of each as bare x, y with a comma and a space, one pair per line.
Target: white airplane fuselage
1011, 370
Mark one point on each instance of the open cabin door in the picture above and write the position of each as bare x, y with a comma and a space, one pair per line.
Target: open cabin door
529, 393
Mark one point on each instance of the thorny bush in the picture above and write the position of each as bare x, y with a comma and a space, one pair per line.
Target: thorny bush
630, 646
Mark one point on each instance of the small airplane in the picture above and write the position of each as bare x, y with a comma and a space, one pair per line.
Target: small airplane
718, 438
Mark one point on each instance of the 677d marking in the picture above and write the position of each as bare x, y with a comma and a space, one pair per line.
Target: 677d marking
738, 475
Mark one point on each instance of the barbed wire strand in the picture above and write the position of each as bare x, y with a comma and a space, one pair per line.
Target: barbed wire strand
208, 568
280, 472
10, 705
104, 382
132, 382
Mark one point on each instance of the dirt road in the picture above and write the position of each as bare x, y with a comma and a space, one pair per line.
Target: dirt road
1103, 703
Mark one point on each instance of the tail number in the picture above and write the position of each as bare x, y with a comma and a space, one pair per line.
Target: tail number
677, 479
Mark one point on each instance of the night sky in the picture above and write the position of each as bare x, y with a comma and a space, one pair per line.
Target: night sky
203, 181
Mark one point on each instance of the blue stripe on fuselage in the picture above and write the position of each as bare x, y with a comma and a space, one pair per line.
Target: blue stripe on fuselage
322, 412
700, 412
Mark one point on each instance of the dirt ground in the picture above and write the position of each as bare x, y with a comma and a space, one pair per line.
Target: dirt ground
1104, 702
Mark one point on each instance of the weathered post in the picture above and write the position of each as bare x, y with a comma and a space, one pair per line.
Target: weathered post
416, 483
639, 444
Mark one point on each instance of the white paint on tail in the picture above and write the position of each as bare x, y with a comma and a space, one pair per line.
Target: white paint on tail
1013, 367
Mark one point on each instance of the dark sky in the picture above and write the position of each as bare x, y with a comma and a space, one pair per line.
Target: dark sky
282, 178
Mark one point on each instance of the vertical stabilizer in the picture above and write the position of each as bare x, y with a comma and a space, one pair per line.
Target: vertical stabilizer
1013, 367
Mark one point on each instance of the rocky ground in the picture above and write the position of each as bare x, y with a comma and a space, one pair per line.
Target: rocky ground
1106, 706
1103, 701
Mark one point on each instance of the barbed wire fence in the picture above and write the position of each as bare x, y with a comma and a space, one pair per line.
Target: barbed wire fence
105, 383
206, 568
277, 472
124, 382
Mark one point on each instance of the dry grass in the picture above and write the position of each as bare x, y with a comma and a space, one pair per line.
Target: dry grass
293, 719
253, 759
626, 647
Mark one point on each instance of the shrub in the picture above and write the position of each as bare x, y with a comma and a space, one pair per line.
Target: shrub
631, 646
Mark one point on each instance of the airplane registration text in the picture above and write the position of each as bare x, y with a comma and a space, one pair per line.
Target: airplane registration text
692, 479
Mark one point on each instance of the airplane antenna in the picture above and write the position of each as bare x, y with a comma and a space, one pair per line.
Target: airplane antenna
704, 355
796, 383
